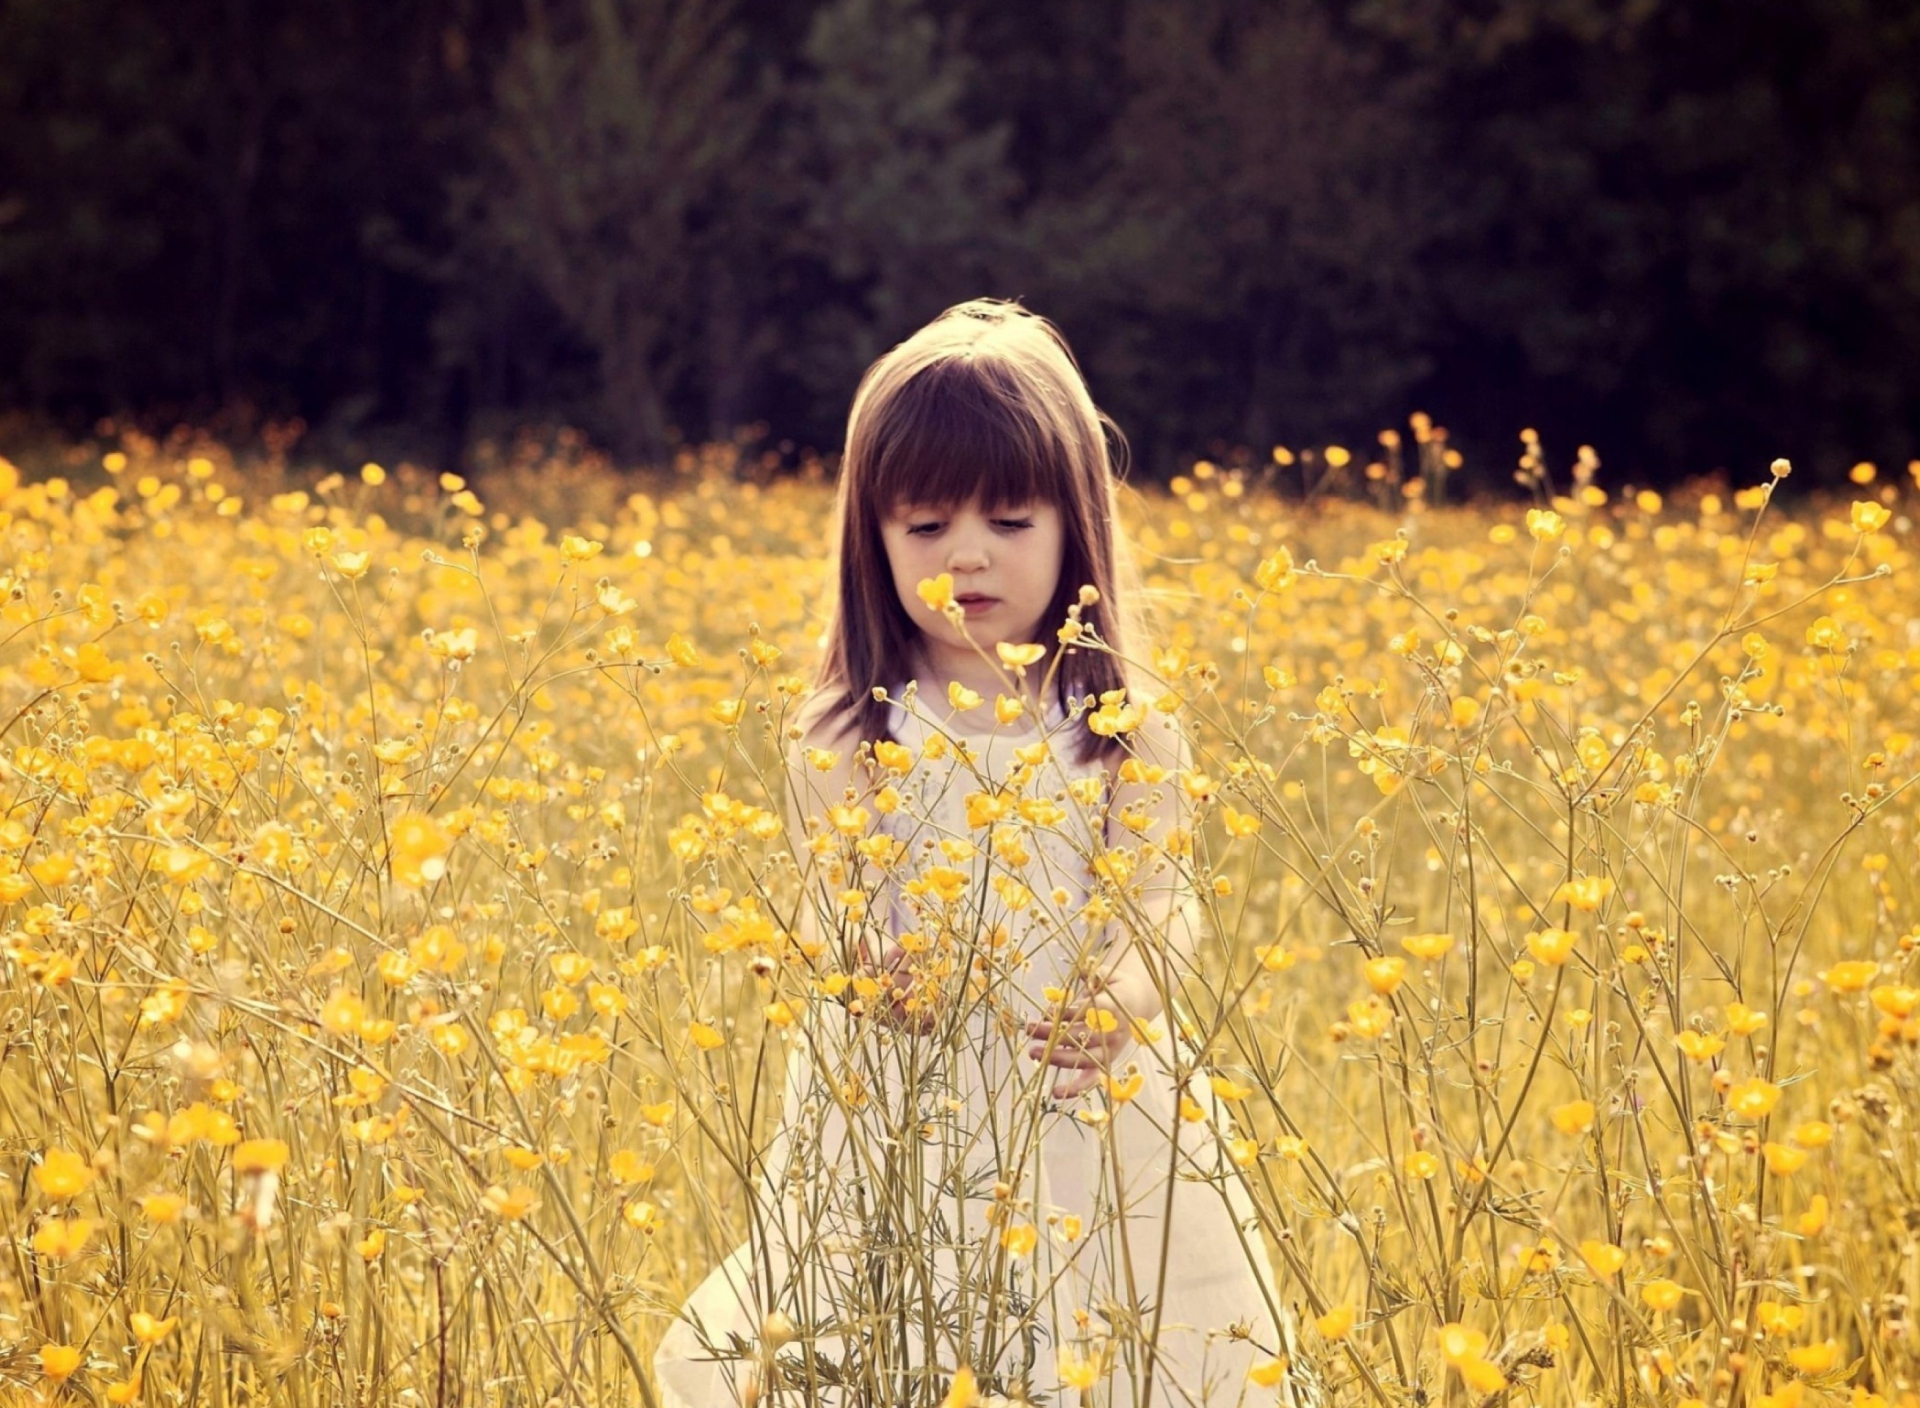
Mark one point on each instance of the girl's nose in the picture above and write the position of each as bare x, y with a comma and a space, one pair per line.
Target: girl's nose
966, 557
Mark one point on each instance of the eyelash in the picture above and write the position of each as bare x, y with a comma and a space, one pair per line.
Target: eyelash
925, 530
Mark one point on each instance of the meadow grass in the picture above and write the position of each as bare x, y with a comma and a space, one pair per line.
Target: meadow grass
401, 941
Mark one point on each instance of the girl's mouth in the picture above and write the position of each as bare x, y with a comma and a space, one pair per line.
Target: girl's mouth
975, 604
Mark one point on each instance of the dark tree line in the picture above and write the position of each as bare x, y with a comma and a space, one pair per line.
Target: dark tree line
1687, 231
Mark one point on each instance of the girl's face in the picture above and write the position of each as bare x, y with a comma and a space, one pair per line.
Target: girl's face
1005, 567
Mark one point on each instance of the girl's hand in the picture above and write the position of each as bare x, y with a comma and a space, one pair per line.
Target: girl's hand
895, 973
1092, 1035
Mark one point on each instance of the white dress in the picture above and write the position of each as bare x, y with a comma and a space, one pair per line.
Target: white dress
1018, 1236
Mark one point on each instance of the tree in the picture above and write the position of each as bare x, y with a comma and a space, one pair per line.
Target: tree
618, 121
907, 196
1255, 239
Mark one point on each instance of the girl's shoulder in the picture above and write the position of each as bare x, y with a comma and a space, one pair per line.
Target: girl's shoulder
821, 721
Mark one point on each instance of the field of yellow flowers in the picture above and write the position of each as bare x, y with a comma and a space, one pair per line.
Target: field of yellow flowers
398, 926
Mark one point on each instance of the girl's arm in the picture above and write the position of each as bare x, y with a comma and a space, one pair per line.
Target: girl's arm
813, 793
1150, 945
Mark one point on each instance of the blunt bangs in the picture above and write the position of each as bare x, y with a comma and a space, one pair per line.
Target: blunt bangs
958, 428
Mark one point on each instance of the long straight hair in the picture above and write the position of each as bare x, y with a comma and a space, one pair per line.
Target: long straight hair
985, 403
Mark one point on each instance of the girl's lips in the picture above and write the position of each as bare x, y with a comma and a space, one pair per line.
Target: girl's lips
976, 604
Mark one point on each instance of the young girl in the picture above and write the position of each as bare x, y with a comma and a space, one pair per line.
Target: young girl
998, 1164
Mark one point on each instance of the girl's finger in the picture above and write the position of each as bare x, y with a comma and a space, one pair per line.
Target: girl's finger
1076, 1085
1070, 1058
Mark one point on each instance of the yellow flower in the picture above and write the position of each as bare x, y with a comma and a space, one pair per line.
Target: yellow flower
1552, 947
1753, 1098
1275, 958
1422, 1164
510, 1206
1896, 999
576, 549
419, 847
680, 650
1458, 1343
1574, 1117
62, 1239
1020, 1239
1604, 1257
1812, 1134
1275, 573
1851, 976
343, 1013
1743, 1020
1662, 1295
625, 1166
1020, 656
62, 1175
642, 1216
961, 697
1427, 947
147, 1329
936, 592
1079, 1373
162, 1208
1699, 1046
60, 1362
1483, 1376
1544, 524
1812, 1359
1869, 517
1383, 975
260, 1156
1337, 1323
1239, 823
1813, 1221
1784, 1159
962, 1391
372, 1245
1777, 1319
1268, 1374
1585, 894
1369, 1018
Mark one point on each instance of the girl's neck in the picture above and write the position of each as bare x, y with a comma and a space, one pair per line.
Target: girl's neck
937, 667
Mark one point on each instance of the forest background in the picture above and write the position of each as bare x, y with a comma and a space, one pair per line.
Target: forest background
1686, 233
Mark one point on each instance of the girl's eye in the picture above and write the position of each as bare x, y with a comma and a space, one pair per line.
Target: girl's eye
1013, 522
916, 530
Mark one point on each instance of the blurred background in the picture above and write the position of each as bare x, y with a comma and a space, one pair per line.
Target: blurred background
1686, 232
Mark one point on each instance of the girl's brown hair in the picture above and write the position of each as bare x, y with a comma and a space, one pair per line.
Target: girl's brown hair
984, 402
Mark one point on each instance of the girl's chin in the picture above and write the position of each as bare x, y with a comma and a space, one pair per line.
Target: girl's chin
984, 636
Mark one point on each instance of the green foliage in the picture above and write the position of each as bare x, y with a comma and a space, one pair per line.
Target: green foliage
611, 135
909, 206
1687, 233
